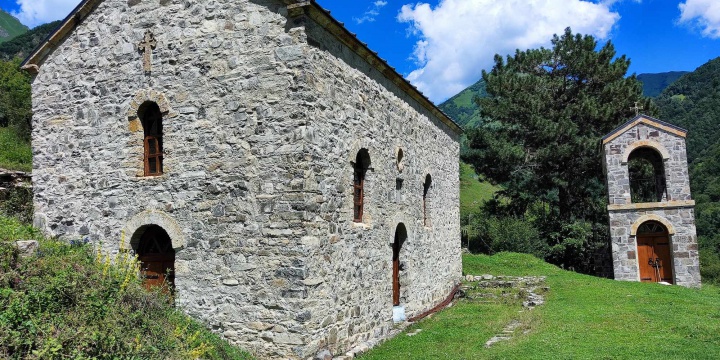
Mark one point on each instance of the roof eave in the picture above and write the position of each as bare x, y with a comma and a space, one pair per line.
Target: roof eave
32, 63
336, 28
665, 126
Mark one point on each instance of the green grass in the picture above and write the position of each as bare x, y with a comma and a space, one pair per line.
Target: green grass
584, 318
473, 193
15, 154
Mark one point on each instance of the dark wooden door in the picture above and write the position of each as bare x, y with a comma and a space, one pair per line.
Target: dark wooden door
157, 259
654, 257
661, 247
396, 270
157, 270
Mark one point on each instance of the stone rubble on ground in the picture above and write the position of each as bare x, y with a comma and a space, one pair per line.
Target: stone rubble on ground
27, 248
527, 286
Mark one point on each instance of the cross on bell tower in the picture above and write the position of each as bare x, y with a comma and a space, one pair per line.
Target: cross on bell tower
146, 47
636, 108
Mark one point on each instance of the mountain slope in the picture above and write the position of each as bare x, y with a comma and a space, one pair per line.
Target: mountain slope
462, 107
22, 45
654, 84
10, 27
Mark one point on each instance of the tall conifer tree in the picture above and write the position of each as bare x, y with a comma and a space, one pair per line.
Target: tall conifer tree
545, 115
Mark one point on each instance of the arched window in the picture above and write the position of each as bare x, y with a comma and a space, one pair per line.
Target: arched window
647, 176
362, 163
426, 190
151, 119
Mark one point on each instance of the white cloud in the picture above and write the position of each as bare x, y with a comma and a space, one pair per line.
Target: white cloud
704, 14
610, 3
459, 38
37, 12
372, 12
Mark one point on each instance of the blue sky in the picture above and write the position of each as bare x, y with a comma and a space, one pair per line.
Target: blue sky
441, 46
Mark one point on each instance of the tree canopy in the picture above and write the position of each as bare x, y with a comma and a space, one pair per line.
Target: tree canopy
15, 105
546, 113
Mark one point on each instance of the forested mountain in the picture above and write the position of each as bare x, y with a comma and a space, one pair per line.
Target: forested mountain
654, 84
693, 102
10, 27
464, 110
22, 45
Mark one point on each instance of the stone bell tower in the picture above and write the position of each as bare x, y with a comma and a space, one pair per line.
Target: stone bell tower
652, 219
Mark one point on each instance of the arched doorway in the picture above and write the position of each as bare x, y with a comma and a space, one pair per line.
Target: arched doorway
157, 257
653, 242
400, 237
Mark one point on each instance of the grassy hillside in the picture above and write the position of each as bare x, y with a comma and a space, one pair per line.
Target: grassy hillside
462, 107
584, 318
10, 27
654, 84
22, 45
66, 302
473, 193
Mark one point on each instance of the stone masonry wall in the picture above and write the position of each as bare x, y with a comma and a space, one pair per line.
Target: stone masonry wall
232, 194
259, 129
356, 108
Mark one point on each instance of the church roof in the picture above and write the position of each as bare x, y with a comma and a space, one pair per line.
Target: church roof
295, 7
647, 120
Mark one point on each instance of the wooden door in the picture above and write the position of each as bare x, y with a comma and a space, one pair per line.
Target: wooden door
157, 259
645, 253
654, 258
396, 270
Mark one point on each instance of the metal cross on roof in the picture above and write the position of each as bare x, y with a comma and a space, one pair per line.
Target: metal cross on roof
146, 47
636, 108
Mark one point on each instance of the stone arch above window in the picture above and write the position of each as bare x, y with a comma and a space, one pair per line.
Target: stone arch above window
130, 236
143, 96
645, 218
645, 143
358, 145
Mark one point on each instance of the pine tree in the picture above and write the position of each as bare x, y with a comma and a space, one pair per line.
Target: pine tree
547, 111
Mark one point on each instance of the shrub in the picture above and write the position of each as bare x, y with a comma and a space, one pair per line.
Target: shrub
69, 302
496, 234
18, 203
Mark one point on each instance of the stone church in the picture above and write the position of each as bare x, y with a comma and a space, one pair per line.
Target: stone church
289, 184
652, 219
